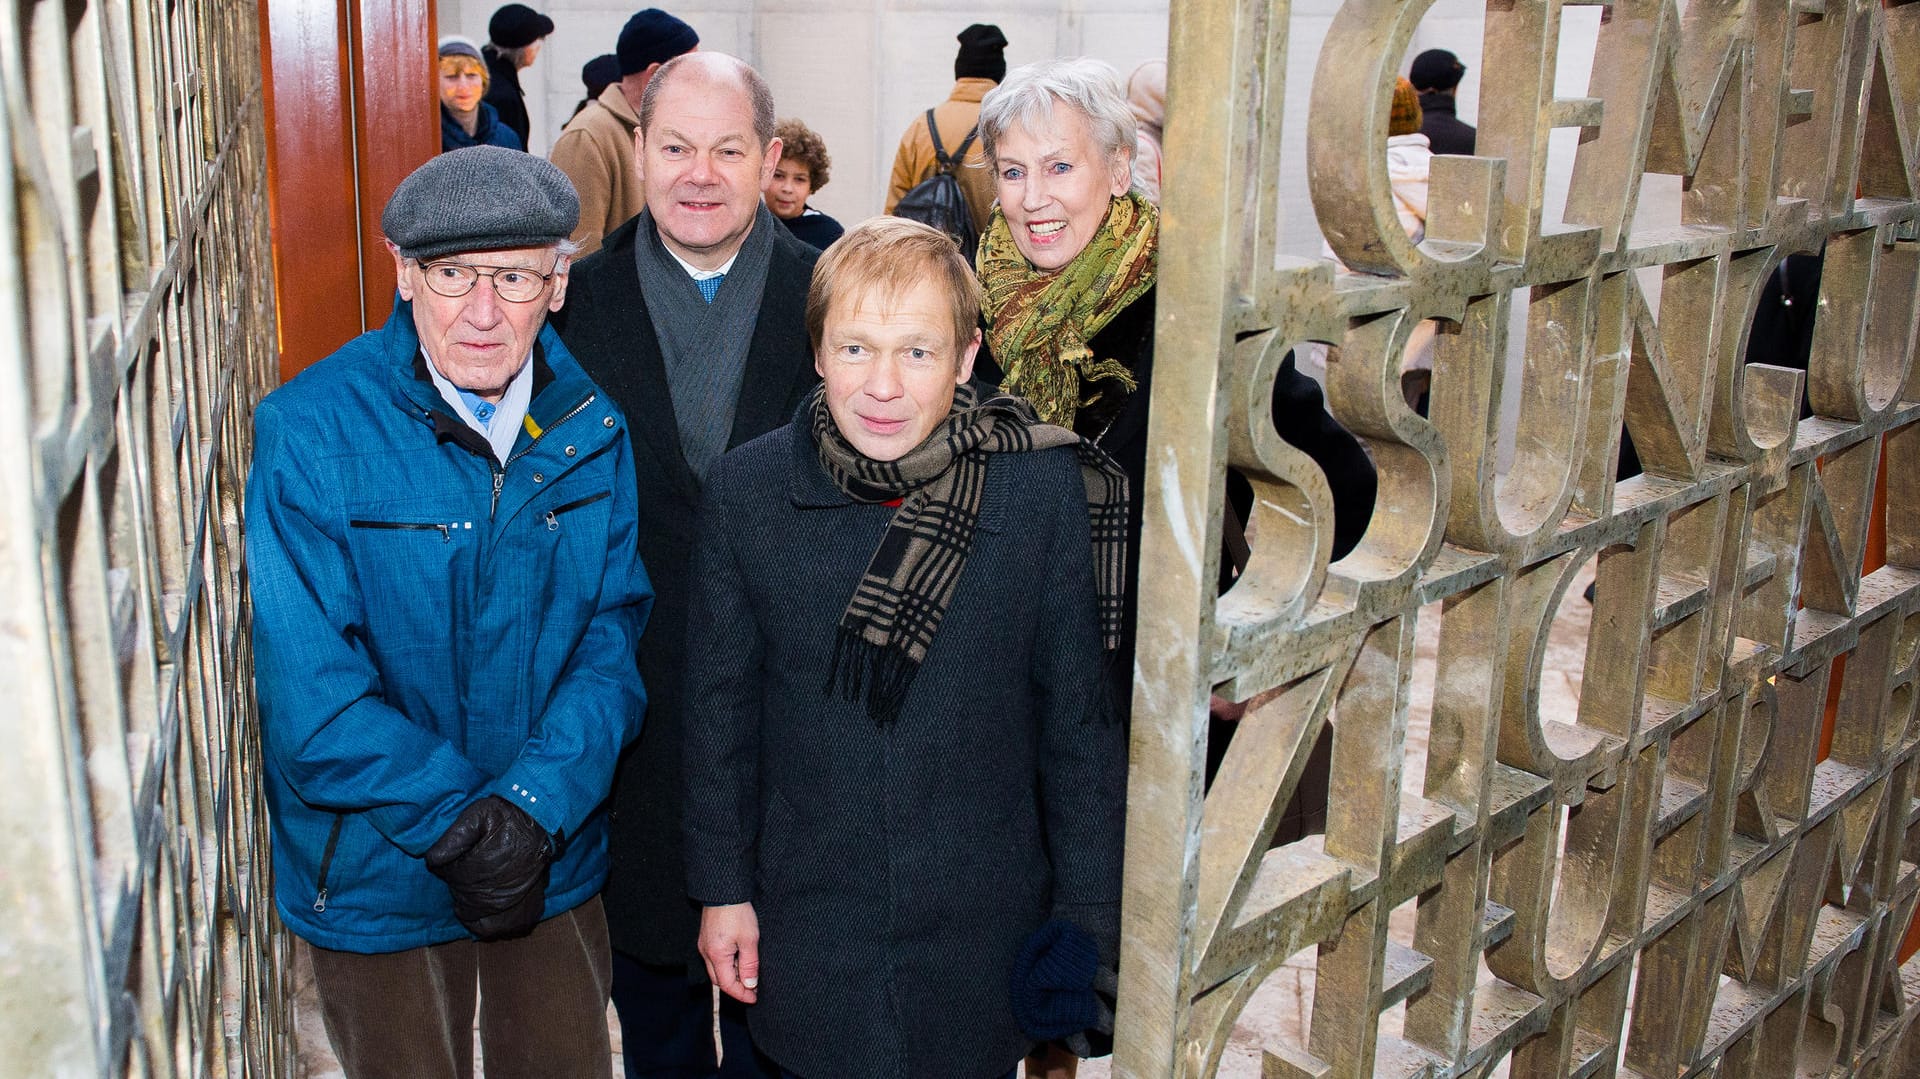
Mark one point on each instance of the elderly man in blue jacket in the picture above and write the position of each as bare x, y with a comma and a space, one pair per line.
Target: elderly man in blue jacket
447, 602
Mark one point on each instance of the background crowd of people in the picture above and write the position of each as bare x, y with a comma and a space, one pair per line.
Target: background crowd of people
482, 103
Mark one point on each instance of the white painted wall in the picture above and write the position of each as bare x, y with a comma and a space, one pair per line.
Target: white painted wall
858, 71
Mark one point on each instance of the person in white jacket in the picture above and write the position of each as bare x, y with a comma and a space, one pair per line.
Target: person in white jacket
1147, 99
1409, 160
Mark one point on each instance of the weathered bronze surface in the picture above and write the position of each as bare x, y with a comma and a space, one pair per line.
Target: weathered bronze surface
136, 332
1671, 881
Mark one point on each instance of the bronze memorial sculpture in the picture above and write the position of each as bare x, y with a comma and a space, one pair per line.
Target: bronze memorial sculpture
1682, 813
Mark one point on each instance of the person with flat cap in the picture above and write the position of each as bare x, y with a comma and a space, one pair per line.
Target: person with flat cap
514, 36
447, 604
1436, 75
596, 150
978, 67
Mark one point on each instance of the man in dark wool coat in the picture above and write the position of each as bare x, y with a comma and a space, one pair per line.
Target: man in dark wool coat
904, 782
692, 316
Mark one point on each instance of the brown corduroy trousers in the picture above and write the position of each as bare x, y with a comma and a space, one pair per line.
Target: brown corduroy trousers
410, 1015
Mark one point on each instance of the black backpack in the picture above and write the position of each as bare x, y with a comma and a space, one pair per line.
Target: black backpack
938, 200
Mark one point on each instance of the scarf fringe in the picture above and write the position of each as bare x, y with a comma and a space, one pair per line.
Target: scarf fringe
885, 674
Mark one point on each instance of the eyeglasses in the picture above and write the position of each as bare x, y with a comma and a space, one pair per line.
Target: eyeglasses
511, 283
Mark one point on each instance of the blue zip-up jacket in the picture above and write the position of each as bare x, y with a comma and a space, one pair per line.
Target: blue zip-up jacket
431, 627
488, 131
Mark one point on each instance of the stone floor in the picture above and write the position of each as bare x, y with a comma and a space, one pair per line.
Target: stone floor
1280, 1010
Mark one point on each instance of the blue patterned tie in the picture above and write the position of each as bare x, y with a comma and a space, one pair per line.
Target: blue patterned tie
710, 286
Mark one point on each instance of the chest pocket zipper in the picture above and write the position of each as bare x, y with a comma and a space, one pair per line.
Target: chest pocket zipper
446, 530
326, 863
553, 515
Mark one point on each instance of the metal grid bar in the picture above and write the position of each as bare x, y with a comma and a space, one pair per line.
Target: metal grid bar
1672, 880
136, 333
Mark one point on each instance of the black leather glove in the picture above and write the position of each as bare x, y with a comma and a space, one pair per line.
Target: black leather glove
495, 859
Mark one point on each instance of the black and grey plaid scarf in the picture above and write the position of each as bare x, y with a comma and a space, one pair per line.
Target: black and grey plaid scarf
908, 586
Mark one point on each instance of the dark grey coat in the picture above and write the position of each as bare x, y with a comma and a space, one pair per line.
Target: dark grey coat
895, 870
606, 326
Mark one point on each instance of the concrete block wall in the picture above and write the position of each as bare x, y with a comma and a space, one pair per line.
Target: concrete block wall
858, 71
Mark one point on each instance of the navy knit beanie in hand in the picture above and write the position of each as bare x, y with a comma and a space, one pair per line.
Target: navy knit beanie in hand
1053, 978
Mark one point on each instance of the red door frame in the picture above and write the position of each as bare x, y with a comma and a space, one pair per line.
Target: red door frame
351, 109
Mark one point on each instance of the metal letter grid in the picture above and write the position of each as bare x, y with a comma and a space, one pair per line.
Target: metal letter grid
136, 332
1671, 881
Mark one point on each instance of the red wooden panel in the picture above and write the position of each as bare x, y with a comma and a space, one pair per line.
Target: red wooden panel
396, 84
352, 108
310, 178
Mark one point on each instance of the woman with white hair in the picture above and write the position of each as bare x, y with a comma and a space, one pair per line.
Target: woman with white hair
1069, 261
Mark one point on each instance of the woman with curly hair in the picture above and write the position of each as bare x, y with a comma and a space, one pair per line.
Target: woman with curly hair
801, 170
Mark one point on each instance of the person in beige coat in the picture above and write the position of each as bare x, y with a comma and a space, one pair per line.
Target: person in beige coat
596, 149
979, 67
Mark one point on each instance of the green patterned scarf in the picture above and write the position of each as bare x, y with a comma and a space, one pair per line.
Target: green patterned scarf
1039, 323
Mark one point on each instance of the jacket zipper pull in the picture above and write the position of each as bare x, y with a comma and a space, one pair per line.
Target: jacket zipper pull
499, 481
326, 863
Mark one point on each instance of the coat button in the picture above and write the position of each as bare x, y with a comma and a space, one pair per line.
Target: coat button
570, 451
539, 478
608, 422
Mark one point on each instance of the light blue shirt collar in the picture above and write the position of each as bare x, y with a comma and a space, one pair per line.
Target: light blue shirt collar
497, 422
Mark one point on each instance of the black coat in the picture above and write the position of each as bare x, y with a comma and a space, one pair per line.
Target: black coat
1445, 132
814, 229
895, 870
1782, 332
505, 95
606, 326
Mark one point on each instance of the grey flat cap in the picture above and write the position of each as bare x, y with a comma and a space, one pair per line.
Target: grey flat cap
481, 198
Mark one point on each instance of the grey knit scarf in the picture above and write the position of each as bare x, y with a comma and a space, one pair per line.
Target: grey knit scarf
704, 344
897, 607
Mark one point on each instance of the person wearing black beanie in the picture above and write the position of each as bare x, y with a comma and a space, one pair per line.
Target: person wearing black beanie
596, 148
1436, 75
651, 38
983, 53
978, 67
514, 36
596, 75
